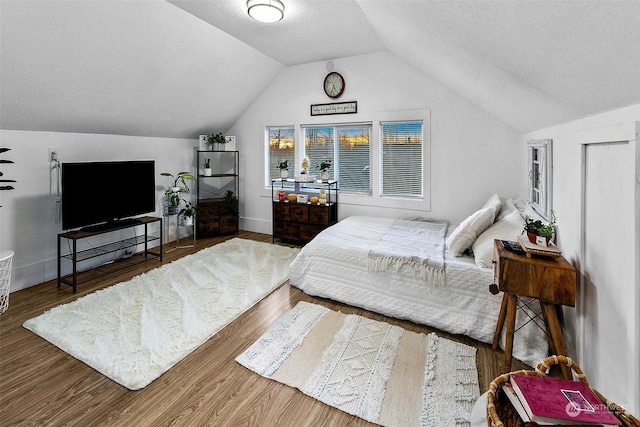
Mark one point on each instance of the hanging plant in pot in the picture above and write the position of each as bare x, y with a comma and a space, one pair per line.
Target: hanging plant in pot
173, 192
538, 232
324, 169
283, 165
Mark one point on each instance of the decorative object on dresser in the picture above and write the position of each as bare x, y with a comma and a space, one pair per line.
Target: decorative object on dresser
217, 194
367, 368
136, 330
324, 169
552, 281
298, 220
283, 165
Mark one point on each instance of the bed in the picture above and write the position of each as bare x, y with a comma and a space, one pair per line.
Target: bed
336, 265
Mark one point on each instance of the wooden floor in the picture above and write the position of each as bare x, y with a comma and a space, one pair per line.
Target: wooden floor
42, 385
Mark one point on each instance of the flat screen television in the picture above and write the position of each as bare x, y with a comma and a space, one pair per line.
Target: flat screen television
100, 194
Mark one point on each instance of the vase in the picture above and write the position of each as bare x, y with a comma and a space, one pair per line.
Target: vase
324, 175
284, 173
207, 171
538, 240
187, 220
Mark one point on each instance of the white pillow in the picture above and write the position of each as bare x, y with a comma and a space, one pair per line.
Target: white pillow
465, 234
506, 229
507, 208
493, 202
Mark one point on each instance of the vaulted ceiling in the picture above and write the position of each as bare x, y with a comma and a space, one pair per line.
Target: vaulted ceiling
172, 69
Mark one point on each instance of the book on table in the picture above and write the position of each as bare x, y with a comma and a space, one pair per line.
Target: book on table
554, 401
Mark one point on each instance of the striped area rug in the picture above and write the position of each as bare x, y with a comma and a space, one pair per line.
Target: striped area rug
373, 370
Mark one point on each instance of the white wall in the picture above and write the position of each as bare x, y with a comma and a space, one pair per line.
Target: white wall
471, 151
615, 368
26, 217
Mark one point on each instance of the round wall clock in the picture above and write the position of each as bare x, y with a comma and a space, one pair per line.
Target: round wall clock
333, 85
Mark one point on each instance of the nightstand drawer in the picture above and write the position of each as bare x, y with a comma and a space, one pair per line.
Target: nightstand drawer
548, 279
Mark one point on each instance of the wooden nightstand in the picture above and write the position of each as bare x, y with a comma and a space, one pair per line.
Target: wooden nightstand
550, 280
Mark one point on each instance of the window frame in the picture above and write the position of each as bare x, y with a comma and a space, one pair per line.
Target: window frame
375, 199
540, 196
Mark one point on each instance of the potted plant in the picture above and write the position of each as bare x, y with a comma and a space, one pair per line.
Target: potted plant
283, 165
188, 213
216, 141
324, 169
179, 186
231, 202
207, 167
538, 232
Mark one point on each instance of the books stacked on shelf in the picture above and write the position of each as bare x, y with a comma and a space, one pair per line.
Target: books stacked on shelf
552, 401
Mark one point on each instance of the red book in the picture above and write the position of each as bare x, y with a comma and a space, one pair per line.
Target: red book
552, 400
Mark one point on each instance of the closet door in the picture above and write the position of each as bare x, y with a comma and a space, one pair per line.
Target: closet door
608, 270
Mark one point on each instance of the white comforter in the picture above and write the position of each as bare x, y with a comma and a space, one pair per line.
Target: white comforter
335, 265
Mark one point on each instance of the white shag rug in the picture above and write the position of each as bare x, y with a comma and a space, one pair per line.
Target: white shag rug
373, 370
134, 331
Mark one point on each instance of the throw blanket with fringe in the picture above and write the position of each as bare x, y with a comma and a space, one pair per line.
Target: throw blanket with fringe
416, 244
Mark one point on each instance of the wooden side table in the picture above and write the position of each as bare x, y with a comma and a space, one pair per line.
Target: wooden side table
550, 280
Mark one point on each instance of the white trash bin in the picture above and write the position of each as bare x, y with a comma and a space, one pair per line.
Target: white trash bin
5, 279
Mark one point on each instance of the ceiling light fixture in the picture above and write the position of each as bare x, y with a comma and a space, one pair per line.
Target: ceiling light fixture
265, 10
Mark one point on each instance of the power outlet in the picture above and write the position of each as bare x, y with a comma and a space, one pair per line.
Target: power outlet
53, 154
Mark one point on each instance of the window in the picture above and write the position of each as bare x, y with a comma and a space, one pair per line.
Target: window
318, 146
540, 163
381, 160
282, 146
402, 154
350, 157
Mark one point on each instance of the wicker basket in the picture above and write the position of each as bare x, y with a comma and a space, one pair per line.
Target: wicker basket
501, 413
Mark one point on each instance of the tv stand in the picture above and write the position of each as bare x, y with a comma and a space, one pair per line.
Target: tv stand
112, 225
76, 256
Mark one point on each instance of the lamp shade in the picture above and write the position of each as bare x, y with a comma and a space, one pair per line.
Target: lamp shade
265, 10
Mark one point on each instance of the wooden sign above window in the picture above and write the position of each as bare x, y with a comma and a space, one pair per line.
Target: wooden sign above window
350, 107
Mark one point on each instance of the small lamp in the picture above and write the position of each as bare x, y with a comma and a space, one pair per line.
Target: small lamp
265, 10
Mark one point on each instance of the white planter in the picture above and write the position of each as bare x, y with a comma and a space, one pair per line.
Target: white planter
324, 175
284, 174
207, 171
187, 220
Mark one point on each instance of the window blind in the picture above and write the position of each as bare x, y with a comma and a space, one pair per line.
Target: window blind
402, 154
